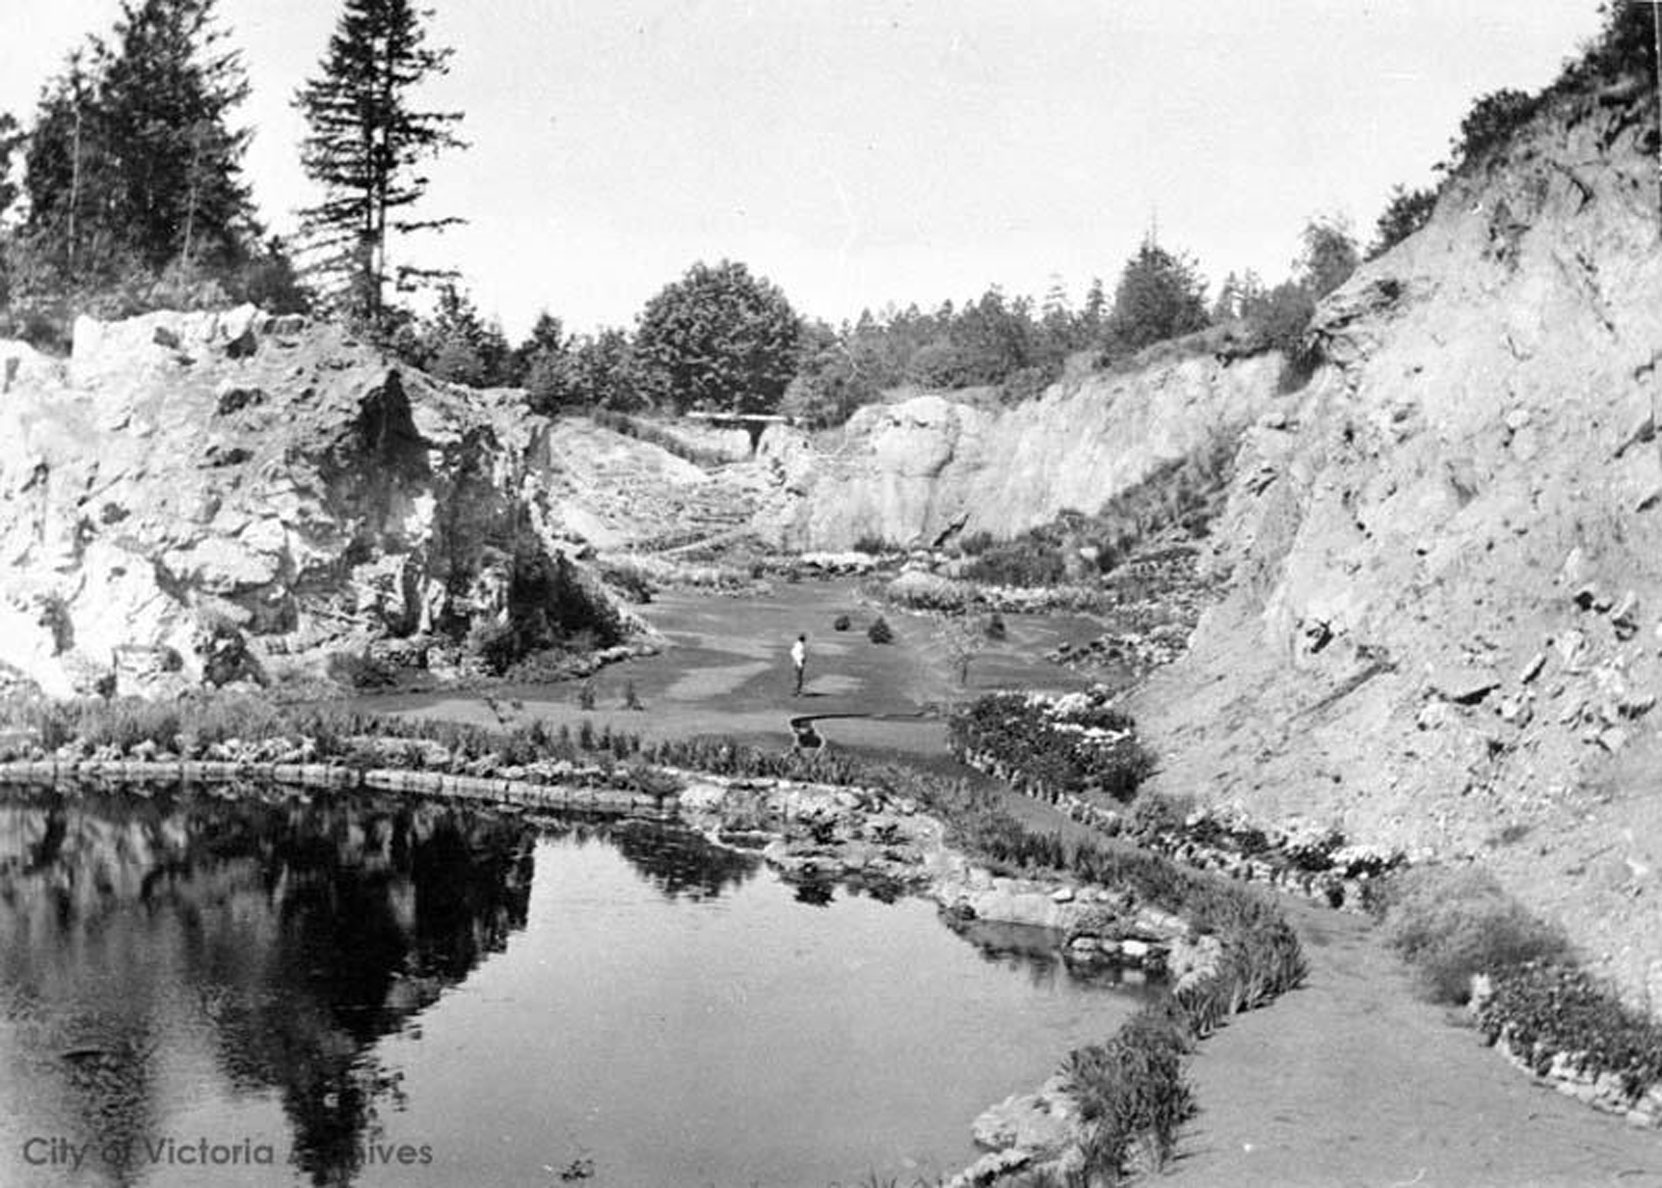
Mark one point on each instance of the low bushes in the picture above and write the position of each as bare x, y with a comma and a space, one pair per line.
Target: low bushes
1070, 744
1553, 1015
1451, 923
1024, 562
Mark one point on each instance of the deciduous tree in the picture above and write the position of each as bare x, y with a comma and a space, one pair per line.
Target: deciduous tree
718, 339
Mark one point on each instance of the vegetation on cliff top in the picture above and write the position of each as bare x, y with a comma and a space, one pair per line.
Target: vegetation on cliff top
132, 175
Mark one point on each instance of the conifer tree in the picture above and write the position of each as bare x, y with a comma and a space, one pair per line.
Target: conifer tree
365, 142
131, 162
1160, 295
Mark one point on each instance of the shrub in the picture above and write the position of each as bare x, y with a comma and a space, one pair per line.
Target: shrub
870, 542
1405, 213
976, 543
1545, 1010
54, 616
880, 632
586, 695
631, 698
630, 578
996, 629
1490, 123
1066, 744
360, 670
1453, 922
1025, 562
841, 623
927, 591
550, 603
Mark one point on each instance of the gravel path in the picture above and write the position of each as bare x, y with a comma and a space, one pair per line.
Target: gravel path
1354, 1080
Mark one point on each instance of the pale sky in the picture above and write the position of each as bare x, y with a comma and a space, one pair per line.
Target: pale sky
858, 152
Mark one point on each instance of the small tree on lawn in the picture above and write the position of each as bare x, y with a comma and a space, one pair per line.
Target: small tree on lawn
964, 640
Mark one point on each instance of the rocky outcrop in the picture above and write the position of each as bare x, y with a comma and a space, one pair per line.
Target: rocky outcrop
1445, 561
919, 470
216, 497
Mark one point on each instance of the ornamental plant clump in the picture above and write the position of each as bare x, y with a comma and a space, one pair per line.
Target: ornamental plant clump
1072, 743
1543, 1010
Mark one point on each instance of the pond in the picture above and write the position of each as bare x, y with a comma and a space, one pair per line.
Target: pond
268, 989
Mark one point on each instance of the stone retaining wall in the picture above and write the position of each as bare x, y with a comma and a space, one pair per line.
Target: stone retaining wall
523, 793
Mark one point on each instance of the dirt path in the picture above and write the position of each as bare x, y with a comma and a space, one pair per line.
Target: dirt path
1353, 1080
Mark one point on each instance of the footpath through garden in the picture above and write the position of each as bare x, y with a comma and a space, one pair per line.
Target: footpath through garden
1351, 1080
1357, 1080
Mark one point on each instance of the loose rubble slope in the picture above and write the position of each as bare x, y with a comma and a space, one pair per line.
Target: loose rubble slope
1445, 554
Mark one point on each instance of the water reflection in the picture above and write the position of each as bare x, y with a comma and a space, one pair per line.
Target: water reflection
680, 863
283, 937
1025, 949
262, 963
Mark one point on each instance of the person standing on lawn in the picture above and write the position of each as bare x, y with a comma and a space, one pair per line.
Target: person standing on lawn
799, 662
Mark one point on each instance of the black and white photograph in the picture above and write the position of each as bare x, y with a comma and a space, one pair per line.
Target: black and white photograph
830, 594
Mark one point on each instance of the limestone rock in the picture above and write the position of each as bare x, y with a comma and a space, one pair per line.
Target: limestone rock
1033, 1122
910, 471
1464, 684
179, 488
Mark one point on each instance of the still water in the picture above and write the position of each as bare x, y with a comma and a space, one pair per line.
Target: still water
282, 991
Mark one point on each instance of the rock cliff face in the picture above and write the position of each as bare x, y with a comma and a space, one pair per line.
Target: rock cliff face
1446, 560
913, 471
207, 497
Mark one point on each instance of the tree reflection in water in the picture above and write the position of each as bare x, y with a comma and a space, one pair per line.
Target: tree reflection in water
290, 934
679, 862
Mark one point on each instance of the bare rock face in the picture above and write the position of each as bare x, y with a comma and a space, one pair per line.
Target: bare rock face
911, 472
1436, 631
217, 496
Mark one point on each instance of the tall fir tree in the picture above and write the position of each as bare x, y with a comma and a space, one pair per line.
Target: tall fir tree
132, 162
365, 142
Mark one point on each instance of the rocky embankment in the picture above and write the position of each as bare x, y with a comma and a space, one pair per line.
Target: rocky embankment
1441, 628
921, 469
226, 497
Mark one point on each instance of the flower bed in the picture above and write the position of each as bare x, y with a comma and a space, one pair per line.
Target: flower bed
1072, 744
918, 589
1562, 1025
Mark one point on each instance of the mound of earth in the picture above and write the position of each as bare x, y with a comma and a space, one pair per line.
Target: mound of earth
1445, 557
230, 496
